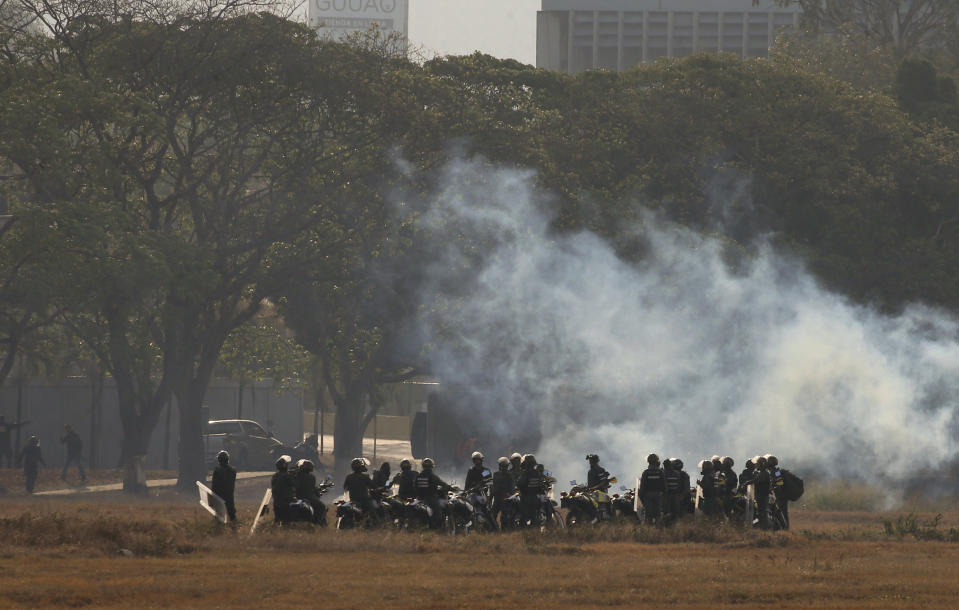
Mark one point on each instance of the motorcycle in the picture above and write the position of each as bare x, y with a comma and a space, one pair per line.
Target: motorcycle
470, 509
586, 504
550, 517
418, 515
624, 505
392, 509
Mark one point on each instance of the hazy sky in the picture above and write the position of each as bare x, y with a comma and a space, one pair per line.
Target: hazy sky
502, 28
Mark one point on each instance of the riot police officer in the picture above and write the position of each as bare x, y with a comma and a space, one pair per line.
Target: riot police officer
515, 466
776, 482
381, 477
597, 477
503, 487
478, 473
674, 490
652, 489
746, 476
284, 492
530, 485
405, 480
428, 489
305, 482
358, 484
223, 483
710, 495
761, 484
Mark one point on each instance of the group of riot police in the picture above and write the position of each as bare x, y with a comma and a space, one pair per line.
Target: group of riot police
757, 496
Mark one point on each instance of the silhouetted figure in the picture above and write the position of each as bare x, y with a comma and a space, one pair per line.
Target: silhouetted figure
223, 483
74, 448
305, 482
283, 492
32, 457
381, 477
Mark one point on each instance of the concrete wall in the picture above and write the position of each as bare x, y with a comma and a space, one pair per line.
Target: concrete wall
388, 427
50, 405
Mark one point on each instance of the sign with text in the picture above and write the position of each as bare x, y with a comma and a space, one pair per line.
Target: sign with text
338, 18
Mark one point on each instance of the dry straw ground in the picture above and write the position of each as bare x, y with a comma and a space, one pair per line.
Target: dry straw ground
162, 551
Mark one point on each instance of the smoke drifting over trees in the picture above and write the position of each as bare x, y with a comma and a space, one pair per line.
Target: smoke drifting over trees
681, 354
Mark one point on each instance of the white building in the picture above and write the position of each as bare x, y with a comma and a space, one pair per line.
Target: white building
339, 18
576, 35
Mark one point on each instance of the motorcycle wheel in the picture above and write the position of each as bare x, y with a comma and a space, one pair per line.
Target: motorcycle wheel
555, 521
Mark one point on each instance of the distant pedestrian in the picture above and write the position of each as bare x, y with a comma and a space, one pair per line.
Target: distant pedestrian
223, 483
74, 448
32, 457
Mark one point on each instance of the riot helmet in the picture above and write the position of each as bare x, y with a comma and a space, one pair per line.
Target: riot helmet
772, 461
406, 465
305, 465
358, 465
728, 462
281, 464
652, 459
223, 457
592, 458
476, 456
427, 463
677, 464
503, 463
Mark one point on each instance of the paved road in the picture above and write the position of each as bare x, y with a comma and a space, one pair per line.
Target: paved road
151, 483
386, 450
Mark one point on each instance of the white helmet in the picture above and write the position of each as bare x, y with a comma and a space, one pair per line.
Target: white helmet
515, 456
476, 454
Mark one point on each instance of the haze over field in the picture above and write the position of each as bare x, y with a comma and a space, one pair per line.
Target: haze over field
680, 355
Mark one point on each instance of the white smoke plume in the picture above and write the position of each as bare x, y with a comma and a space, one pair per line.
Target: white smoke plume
679, 355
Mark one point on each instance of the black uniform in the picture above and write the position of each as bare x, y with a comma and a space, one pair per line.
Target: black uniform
515, 471
405, 480
761, 484
475, 476
530, 485
428, 488
746, 477
711, 506
32, 457
686, 500
305, 483
597, 477
223, 484
381, 478
503, 486
74, 447
674, 494
284, 494
358, 485
777, 481
652, 488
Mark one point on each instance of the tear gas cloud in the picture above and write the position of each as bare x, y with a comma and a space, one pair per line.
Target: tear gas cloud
678, 355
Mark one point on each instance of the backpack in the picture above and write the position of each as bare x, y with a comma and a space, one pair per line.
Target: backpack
792, 486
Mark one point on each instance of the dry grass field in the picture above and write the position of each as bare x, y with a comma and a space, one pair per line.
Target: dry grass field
112, 551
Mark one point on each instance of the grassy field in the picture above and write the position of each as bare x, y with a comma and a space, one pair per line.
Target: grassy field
163, 551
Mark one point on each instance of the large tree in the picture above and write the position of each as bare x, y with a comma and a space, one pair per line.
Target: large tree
179, 149
906, 26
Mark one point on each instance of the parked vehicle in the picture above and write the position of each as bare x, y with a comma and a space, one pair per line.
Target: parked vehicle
250, 446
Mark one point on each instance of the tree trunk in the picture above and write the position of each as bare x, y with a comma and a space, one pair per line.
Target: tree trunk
192, 461
347, 433
96, 414
239, 400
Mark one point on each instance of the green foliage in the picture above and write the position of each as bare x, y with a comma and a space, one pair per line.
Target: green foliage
910, 525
